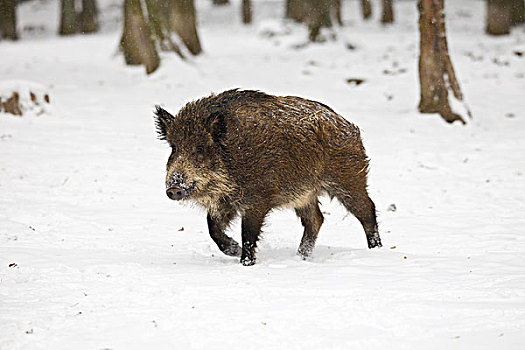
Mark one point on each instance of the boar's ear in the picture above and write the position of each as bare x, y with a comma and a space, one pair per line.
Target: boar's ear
216, 124
162, 121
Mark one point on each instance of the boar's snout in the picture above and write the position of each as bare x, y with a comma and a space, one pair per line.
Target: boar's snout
176, 193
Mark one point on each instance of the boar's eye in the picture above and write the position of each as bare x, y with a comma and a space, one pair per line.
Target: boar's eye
199, 150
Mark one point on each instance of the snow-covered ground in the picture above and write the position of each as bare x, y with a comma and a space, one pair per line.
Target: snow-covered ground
93, 255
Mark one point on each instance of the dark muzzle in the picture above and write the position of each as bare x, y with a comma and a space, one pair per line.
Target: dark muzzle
177, 193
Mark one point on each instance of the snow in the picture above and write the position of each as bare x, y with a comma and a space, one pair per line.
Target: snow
93, 255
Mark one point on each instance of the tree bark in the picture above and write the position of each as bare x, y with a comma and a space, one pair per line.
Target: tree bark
435, 63
246, 11
88, 16
137, 42
295, 9
8, 19
317, 15
314, 13
221, 2
158, 19
183, 22
366, 8
518, 12
387, 15
338, 11
498, 17
68, 18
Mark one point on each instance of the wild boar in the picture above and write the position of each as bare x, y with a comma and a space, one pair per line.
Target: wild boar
245, 152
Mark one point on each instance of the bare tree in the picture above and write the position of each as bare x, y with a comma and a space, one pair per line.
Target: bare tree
246, 11
68, 18
295, 9
387, 13
8, 19
366, 8
183, 22
88, 17
137, 41
435, 63
72, 22
518, 12
498, 17
143, 36
314, 13
158, 20
338, 11
317, 15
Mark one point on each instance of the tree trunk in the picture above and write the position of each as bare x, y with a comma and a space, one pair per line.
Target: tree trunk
221, 2
518, 12
337, 9
68, 18
183, 22
137, 42
498, 17
295, 9
8, 19
158, 18
88, 16
246, 11
317, 15
314, 13
366, 8
435, 63
387, 15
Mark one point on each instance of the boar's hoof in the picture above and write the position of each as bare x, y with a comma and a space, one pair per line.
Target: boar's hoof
248, 261
374, 240
233, 249
305, 251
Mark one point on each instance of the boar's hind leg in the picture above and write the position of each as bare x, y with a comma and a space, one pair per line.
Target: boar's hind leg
252, 221
216, 226
312, 219
362, 207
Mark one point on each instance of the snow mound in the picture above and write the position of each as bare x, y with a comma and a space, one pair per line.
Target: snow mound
21, 97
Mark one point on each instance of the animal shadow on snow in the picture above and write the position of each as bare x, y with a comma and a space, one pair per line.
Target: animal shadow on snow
283, 256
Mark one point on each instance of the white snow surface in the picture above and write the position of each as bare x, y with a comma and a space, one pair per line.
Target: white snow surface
93, 255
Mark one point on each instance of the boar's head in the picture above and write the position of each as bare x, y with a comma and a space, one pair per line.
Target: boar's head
195, 168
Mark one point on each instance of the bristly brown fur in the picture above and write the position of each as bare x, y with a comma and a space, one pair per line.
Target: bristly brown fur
248, 152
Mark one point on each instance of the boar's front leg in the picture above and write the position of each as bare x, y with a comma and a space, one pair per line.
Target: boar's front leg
217, 224
252, 221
